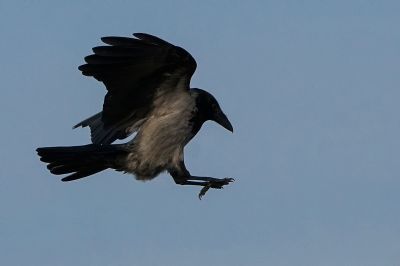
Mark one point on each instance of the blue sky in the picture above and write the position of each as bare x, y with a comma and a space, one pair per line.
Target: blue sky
311, 87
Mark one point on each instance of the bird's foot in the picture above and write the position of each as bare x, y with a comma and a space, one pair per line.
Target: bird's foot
217, 184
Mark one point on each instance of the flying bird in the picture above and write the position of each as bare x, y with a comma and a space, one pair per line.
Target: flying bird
148, 93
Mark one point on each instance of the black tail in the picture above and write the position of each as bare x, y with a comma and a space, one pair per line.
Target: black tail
81, 161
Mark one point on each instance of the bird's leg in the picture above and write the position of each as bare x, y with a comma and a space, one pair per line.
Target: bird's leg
182, 176
206, 182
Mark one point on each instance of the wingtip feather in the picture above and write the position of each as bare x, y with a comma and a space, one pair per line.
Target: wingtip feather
151, 38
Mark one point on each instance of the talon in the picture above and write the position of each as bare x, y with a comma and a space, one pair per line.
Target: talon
203, 191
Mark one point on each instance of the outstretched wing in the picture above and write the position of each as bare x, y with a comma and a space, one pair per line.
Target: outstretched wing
134, 71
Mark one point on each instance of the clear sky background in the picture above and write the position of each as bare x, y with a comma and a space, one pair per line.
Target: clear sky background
311, 87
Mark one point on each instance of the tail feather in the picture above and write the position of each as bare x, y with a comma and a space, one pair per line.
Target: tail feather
81, 161
82, 174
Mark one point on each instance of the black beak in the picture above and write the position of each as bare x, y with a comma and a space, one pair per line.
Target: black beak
221, 119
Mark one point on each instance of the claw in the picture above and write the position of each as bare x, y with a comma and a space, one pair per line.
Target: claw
203, 191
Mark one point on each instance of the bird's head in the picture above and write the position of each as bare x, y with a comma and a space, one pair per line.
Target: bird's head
209, 109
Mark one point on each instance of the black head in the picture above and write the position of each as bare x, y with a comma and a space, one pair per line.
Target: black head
209, 109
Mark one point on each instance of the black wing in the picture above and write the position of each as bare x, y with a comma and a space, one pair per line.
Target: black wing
133, 70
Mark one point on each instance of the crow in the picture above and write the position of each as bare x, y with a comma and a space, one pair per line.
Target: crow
148, 93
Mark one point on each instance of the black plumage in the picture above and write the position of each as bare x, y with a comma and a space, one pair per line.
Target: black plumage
148, 92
